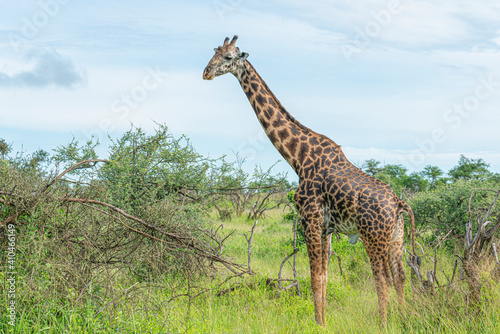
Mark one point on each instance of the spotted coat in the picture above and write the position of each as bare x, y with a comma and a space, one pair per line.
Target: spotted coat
333, 196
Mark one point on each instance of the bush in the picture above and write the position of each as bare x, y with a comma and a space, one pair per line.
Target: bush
137, 217
447, 206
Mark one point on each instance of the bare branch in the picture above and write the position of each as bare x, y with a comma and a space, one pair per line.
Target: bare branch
280, 273
470, 243
249, 242
188, 242
112, 300
494, 250
295, 246
439, 243
332, 252
7, 200
77, 166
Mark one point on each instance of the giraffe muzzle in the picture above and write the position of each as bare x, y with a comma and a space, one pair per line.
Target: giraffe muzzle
208, 74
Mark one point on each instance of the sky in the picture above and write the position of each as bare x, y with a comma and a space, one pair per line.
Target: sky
405, 82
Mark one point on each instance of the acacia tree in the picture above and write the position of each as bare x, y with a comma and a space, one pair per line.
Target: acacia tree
138, 213
371, 167
143, 169
256, 193
4, 148
469, 168
432, 173
395, 176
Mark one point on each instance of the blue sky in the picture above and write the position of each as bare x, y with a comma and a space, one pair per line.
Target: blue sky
410, 82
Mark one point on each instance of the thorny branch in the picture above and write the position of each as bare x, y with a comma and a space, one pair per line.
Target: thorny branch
72, 168
476, 255
210, 247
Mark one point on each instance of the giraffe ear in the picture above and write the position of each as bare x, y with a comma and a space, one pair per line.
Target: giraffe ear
244, 55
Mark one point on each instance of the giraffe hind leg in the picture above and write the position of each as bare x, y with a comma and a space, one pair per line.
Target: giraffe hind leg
396, 261
377, 264
377, 250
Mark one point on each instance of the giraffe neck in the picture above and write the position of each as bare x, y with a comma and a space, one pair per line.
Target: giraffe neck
294, 141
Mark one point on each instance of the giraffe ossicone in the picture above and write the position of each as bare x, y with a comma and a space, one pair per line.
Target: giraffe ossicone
333, 196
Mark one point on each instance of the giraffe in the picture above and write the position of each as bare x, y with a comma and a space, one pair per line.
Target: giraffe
333, 195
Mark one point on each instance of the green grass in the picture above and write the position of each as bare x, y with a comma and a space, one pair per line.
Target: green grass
256, 308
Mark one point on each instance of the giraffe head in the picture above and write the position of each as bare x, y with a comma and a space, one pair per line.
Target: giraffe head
227, 59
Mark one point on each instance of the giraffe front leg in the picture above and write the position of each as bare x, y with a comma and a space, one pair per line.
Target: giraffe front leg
318, 275
311, 213
325, 252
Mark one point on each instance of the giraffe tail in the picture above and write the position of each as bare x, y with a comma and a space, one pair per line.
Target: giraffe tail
404, 207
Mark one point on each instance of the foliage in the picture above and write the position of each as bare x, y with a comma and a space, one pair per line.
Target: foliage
371, 167
433, 174
291, 216
468, 168
256, 193
136, 217
142, 169
430, 177
396, 177
447, 207
89, 234
84, 267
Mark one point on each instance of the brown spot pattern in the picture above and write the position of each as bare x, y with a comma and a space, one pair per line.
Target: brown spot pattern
333, 196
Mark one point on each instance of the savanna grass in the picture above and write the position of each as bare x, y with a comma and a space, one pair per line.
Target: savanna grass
254, 307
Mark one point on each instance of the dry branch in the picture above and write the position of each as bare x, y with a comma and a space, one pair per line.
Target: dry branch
295, 246
180, 241
72, 168
249, 242
7, 200
332, 252
280, 273
475, 256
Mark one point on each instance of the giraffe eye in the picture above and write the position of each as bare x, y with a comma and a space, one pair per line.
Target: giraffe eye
228, 58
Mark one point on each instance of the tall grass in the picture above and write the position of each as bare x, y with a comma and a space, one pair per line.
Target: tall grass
43, 307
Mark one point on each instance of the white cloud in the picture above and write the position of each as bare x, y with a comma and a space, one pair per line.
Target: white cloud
49, 68
182, 100
395, 93
413, 24
445, 160
496, 39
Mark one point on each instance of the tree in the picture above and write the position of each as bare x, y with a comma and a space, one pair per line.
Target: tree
4, 148
371, 167
395, 171
432, 173
145, 168
416, 181
258, 192
447, 207
395, 176
271, 189
469, 168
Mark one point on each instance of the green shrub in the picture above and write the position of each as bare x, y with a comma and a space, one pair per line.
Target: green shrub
447, 207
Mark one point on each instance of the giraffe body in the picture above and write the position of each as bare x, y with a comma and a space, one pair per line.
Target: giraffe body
333, 196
